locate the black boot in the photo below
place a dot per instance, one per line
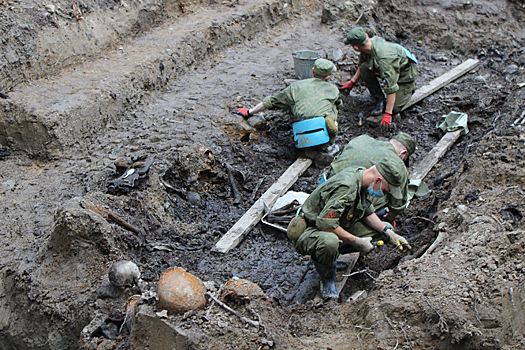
(377, 94)
(379, 106)
(327, 274)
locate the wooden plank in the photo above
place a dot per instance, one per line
(234, 236)
(435, 154)
(441, 81)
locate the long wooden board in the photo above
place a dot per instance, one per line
(435, 154)
(441, 81)
(234, 236)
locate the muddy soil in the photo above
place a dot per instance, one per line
(468, 293)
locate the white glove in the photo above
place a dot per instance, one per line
(399, 241)
(363, 244)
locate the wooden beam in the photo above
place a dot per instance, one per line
(434, 155)
(441, 81)
(234, 236)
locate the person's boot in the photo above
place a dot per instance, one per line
(377, 94)
(327, 274)
(379, 107)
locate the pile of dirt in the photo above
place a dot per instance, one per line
(169, 169)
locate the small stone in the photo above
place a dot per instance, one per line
(193, 197)
(257, 121)
(462, 209)
(162, 314)
(338, 55)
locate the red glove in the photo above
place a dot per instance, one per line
(348, 85)
(386, 119)
(245, 112)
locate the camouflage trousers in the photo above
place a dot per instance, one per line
(325, 247)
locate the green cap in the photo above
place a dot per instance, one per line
(393, 174)
(356, 36)
(323, 68)
(407, 141)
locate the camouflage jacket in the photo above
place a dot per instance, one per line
(307, 99)
(364, 151)
(390, 61)
(340, 201)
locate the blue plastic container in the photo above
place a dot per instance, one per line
(310, 132)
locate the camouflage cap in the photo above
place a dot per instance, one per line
(323, 68)
(356, 36)
(407, 141)
(393, 174)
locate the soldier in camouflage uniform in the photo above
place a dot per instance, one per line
(332, 210)
(364, 151)
(308, 98)
(394, 65)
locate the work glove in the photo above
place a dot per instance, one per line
(363, 245)
(386, 119)
(245, 112)
(399, 241)
(347, 86)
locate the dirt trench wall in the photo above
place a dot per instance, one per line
(464, 27)
(44, 124)
(38, 39)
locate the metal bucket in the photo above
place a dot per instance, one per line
(303, 62)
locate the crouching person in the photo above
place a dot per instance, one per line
(335, 207)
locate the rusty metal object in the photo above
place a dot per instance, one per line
(241, 289)
(180, 291)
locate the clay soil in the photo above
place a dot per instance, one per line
(84, 91)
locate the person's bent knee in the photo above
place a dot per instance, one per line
(328, 252)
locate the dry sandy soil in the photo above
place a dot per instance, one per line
(87, 84)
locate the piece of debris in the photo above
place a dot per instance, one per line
(241, 317)
(106, 214)
(162, 314)
(4, 154)
(131, 171)
(360, 294)
(511, 213)
(78, 13)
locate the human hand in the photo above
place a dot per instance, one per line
(363, 245)
(386, 119)
(399, 241)
(245, 112)
(348, 85)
